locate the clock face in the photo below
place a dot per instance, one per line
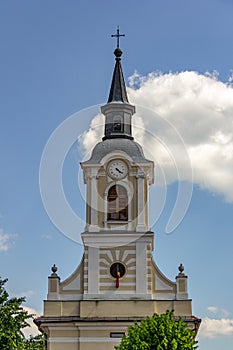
(117, 169)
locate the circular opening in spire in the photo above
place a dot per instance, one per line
(117, 268)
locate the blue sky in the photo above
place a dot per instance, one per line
(56, 59)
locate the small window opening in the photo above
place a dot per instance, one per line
(117, 124)
(117, 203)
(117, 334)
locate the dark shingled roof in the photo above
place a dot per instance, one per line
(132, 148)
(118, 90)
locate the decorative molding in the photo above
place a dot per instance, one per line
(164, 296)
(118, 295)
(161, 285)
(84, 340)
(73, 285)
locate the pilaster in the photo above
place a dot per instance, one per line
(141, 222)
(53, 285)
(93, 201)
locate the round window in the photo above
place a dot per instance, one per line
(117, 269)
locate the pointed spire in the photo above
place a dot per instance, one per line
(118, 115)
(118, 90)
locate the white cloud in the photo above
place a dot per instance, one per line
(213, 309)
(6, 240)
(32, 330)
(213, 328)
(93, 135)
(26, 294)
(46, 237)
(218, 311)
(201, 109)
(182, 107)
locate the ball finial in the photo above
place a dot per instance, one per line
(54, 270)
(118, 52)
(181, 269)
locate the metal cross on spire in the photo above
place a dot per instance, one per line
(118, 35)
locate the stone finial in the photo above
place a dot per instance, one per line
(181, 269)
(181, 284)
(54, 270)
(53, 284)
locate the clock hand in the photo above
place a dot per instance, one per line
(119, 171)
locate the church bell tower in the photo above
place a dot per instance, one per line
(117, 281)
(117, 240)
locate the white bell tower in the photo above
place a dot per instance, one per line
(118, 241)
(117, 281)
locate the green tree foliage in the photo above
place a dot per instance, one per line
(35, 343)
(13, 319)
(159, 332)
